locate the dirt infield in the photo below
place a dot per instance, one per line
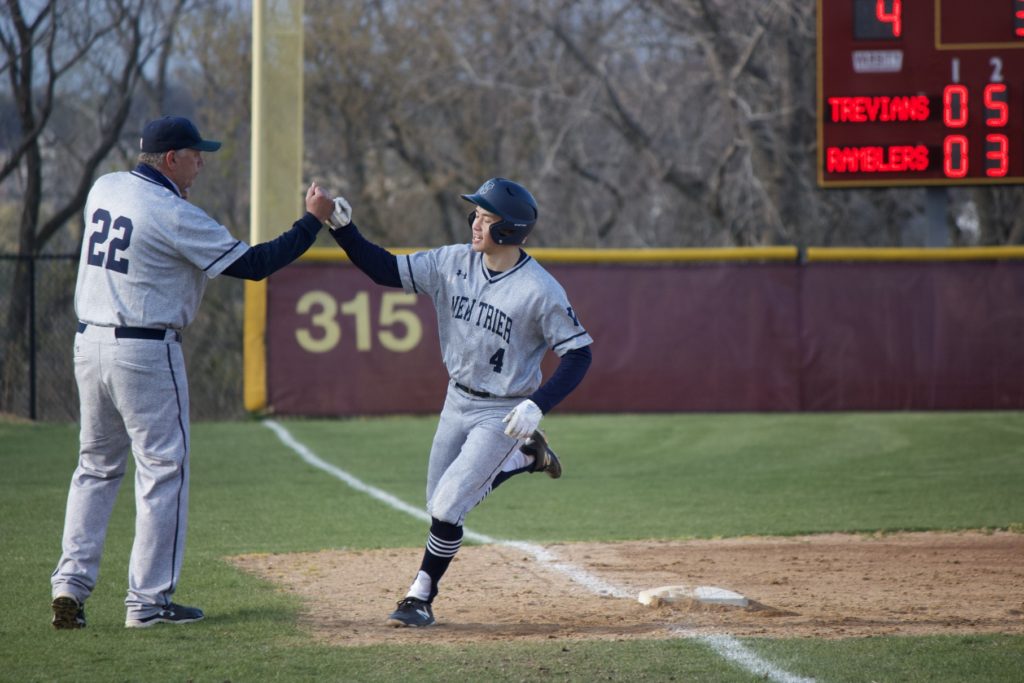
(829, 586)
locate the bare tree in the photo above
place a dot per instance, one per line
(637, 122)
(650, 123)
(72, 77)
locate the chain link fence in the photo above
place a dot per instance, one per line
(37, 329)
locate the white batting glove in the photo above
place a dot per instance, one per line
(342, 215)
(523, 420)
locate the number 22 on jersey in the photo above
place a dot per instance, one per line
(103, 251)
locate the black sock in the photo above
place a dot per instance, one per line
(442, 544)
(505, 476)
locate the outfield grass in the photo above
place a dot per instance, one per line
(627, 477)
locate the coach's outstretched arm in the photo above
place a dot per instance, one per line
(263, 259)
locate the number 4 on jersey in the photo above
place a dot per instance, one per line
(498, 359)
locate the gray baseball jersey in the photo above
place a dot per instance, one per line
(147, 255)
(494, 328)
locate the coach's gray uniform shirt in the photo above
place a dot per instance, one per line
(175, 248)
(494, 329)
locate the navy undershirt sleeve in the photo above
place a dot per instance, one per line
(269, 257)
(377, 262)
(567, 376)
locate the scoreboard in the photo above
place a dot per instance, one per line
(920, 92)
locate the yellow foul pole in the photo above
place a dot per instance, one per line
(276, 191)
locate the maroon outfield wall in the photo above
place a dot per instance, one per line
(917, 335)
(773, 336)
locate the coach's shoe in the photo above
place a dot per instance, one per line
(67, 612)
(172, 614)
(544, 459)
(412, 612)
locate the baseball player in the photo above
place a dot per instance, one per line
(498, 312)
(147, 254)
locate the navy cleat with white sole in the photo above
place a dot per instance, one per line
(412, 612)
(172, 614)
(545, 459)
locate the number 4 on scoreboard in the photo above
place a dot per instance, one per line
(877, 19)
(890, 12)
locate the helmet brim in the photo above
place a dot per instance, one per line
(481, 202)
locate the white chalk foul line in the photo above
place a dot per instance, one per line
(738, 653)
(725, 645)
(309, 456)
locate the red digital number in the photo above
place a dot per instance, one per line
(954, 106)
(1018, 18)
(997, 158)
(997, 111)
(893, 16)
(954, 156)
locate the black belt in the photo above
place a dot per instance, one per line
(138, 333)
(474, 392)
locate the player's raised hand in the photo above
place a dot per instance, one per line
(318, 203)
(342, 214)
(522, 421)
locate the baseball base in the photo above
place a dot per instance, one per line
(655, 597)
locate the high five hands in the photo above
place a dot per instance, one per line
(318, 203)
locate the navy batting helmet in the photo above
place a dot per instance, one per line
(511, 201)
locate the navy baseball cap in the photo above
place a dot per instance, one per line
(174, 132)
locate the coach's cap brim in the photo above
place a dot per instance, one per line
(206, 146)
(174, 132)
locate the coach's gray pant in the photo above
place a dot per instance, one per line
(134, 399)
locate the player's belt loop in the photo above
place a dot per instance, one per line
(474, 392)
(138, 333)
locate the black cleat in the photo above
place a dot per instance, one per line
(412, 612)
(544, 459)
(172, 614)
(67, 613)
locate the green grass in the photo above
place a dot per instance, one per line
(627, 477)
(732, 475)
(908, 660)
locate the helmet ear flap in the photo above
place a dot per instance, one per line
(502, 233)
